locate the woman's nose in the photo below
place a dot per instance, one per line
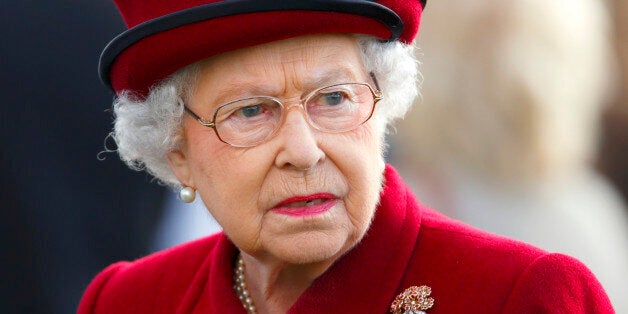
(299, 148)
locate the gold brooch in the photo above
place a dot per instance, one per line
(414, 300)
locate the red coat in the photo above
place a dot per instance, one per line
(469, 271)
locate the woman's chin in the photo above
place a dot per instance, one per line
(310, 247)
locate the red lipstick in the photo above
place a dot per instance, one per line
(308, 205)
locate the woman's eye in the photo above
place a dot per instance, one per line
(250, 111)
(333, 99)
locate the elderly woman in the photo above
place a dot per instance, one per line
(275, 114)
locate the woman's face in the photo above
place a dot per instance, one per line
(259, 194)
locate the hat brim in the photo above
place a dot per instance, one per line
(151, 51)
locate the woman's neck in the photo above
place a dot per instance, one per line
(274, 285)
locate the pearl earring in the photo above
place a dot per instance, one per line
(187, 194)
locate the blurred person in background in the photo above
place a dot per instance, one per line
(507, 130)
(614, 150)
(65, 214)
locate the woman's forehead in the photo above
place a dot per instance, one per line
(303, 63)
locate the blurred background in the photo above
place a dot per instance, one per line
(522, 130)
(65, 214)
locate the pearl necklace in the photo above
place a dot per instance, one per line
(239, 285)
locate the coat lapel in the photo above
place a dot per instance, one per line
(211, 290)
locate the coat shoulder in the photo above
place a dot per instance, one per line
(470, 268)
(157, 280)
(472, 244)
(557, 283)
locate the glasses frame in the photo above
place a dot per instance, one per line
(377, 96)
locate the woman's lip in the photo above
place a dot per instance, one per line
(325, 202)
(305, 198)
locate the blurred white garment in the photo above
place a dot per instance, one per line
(582, 216)
(182, 222)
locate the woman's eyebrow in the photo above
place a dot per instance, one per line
(329, 77)
(241, 89)
(246, 88)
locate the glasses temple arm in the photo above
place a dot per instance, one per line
(377, 94)
(375, 81)
(197, 118)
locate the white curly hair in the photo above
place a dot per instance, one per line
(147, 129)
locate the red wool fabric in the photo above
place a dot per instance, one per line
(469, 271)
(136, 12)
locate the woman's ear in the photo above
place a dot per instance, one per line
(181, 167)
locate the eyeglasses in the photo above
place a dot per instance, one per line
(251, 121)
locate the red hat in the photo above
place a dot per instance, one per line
(165, 36)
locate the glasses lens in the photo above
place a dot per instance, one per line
(340, 108)
(247, 122)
